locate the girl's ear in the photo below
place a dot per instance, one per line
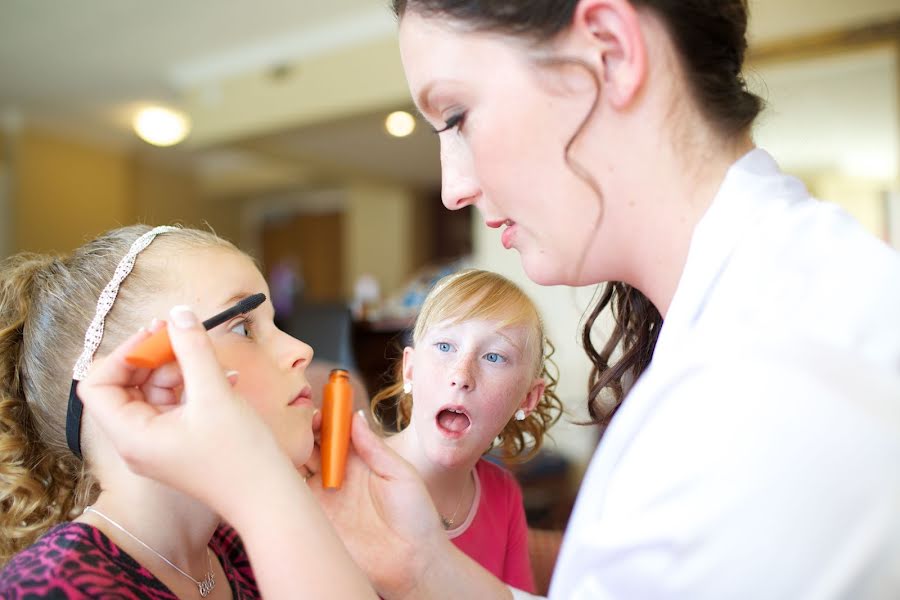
(534, 395)
(612, 31)
(408, 354)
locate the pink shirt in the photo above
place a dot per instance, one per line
(495, 532)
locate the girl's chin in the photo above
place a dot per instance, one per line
(300, 453)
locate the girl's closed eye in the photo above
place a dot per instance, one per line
(495, 357)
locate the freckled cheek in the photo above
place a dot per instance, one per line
(497, 410)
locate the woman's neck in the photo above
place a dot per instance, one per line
(658, 181)
(661, 195)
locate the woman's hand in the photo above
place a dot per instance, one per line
(181, 424)
(383, 514)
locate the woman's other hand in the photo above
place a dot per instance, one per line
(383, 514)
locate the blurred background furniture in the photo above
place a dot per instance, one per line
(543, 550)
(327, 327)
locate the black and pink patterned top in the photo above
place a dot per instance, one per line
(77, 561)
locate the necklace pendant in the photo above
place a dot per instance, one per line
(206, 586)
(447, 523)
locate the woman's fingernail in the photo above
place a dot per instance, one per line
(154, 323)
(361, 413)
(315, 411)
(183, 317)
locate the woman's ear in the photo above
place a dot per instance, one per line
(612, 29)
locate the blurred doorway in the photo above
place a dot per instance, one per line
(310, 244)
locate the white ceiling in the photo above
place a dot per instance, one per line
(90, 60)
(82, 67)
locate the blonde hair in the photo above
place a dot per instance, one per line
(476, 294)
(46, 305)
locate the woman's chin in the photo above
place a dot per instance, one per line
(545, 272)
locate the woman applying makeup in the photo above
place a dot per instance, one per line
(749, 391)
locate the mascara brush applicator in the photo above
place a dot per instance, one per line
(156, 350)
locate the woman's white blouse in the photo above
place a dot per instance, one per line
(759, 455)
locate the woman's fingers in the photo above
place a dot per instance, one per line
(117, 371)
(204, 378)
(381, 459)
(164, 386)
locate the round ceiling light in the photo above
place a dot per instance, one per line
(400, 123)
(161, 126)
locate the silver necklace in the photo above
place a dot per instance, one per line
(448, 522)
(205, 586)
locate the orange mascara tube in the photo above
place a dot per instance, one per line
(337, 413)
(156, 350)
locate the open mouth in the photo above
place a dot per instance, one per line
(453, 422)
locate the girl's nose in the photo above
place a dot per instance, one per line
(299, 353)
(461, 377)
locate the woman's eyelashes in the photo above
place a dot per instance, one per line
(454, 121)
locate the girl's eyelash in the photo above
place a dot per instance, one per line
(452, 122)
(501, 357)
(247, 322)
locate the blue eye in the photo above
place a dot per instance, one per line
(494, 357)
(443, 346)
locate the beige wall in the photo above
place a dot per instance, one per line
(379, 235)
(67, 192)
(863, 198)
(166, 194)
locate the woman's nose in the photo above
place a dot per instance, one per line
(459, 187)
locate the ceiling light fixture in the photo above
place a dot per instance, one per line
(400, 123)
(161, 126)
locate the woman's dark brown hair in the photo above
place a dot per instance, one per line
(710, 38)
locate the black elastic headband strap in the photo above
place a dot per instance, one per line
(73, 420)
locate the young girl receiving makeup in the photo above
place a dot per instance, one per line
(475, 379)
(76, 522)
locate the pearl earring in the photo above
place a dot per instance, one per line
(520, 415)
(407, 387)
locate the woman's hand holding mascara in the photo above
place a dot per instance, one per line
(383, 514)
(169, 423)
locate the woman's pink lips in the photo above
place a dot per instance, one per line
(508, 236)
